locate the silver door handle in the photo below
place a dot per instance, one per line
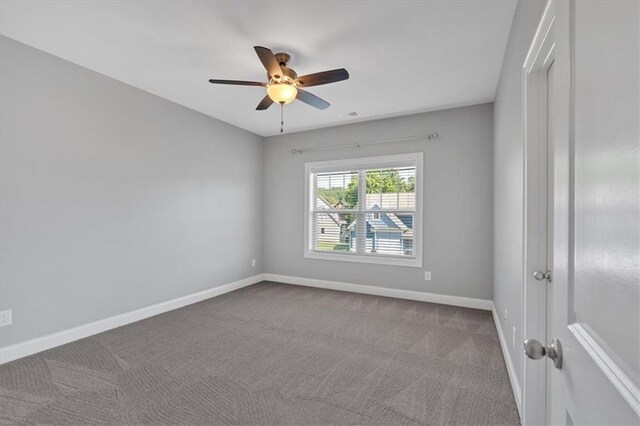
(540, 275)
(536, 350)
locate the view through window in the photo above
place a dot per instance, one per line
(364, 210)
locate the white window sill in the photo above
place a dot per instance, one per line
(372, 259)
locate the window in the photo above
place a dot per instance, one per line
(365, 210)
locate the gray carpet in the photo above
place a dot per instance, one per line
(273, 354)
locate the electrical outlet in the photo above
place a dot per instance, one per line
(253, 263)
(427, 275)
(506, 315)
(514, 337)
(5, 318)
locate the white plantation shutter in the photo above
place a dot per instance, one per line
(335, 201)
(365, 210)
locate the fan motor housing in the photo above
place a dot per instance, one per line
(289, 75)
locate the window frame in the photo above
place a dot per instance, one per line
(357, 164)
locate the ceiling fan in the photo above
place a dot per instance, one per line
(284, 85)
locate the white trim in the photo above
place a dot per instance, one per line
(420, 296)
(511, 370)
(537, 240)
(39, 344)
(397, 160)
(541, 38)
(618, 378)
(376, 259)
(394, 160)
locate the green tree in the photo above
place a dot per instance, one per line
(410, 184)
(333, 196)
(377, 181)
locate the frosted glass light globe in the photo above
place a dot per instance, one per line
(282, 93)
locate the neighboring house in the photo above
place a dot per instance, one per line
(387, 233)
(332, 229)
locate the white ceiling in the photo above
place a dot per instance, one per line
(403, 57)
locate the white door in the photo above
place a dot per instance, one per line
(593, 308)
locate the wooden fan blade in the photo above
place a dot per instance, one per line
(311, 99)
(264, 103)
(269, 61)
(238, 82)
(323, 77)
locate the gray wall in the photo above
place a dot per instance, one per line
(458, 201)
(113, 199)
(509, 174)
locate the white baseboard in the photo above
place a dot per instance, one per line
(513, 378)
(39, 344)
(420, 296)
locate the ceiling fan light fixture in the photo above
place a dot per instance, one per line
(282, 87)
(282, 93)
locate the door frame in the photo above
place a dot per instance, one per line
(537, 238)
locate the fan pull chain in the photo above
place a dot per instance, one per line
(282, 117)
